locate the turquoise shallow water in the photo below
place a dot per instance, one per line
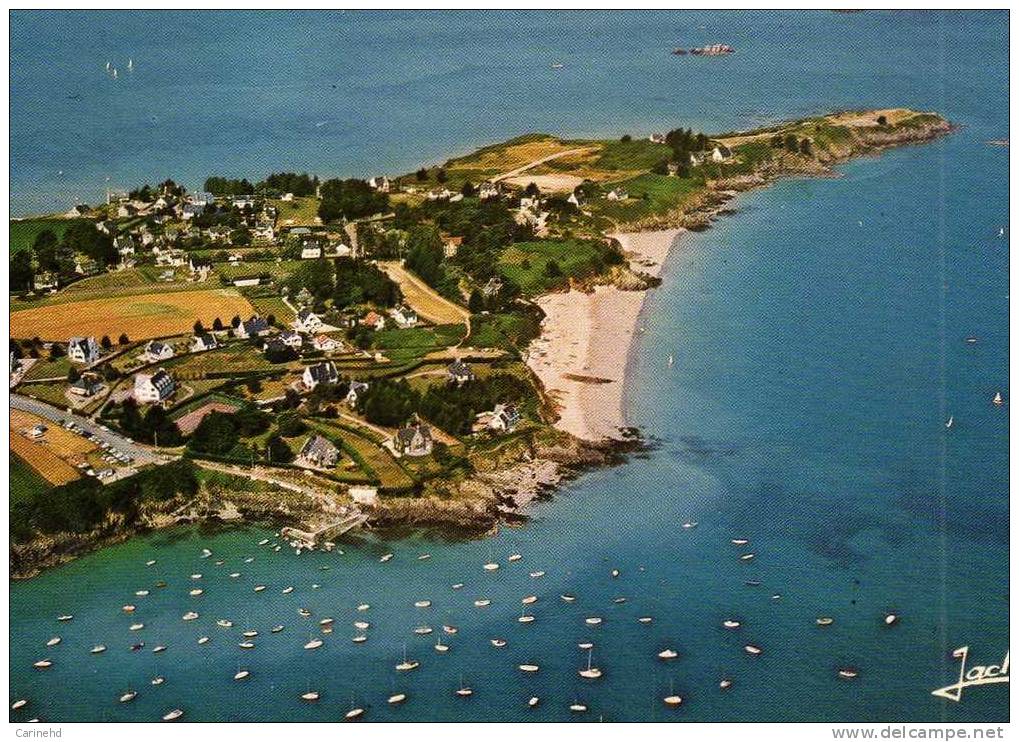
(818, 338)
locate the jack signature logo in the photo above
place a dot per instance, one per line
(976, 675)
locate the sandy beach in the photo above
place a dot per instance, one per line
(582, 354)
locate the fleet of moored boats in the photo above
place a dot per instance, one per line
(589, 671)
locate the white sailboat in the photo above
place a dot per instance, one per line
(998, 401)
(591, 673)
(130, 65)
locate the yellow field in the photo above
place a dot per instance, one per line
(63, 443)
(423, 299)
(142, 316)
(50, 467)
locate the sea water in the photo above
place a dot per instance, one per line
(819, 344)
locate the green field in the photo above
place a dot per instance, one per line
(507, 331)
(47, 369)
(526, 263)
(402, 345)
(245, 270)
(24, 482)
(24, 231)
(301, 212)
(650, 195)
(638, 154)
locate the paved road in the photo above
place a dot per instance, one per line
(142, 455)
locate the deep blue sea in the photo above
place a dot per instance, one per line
(819, 344)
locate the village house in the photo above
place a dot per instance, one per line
(252, 328)
(357, 388)
(311, 249)
(124, 245)
(87, 385)
(307, 321)
(404, 316)
(413, 440)
(617, 194)
(444, 195)
(291, 339)
(318, 453)
(46, 282)
(320, 373)
(243, 202)
(156, 351)
(83, 350)
(488, 190)
(381, 184)
(264, 230)
(451, 245)
(656, 138)
(153, 388)
(78, 211)
(287, 197)
(204, 341)
(374, 320)
(325, 343)
(342, 250)
(492, 288)
(504, 418)
(459, 373)
(275, 347)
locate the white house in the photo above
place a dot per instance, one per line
(357, 388)
(459, 373)
(326, 343)
(404, 316)
(311, 250)
(153, 388)
(381, 184)
(488, 190)
(451, 245)
(504, 418)
(573, 199)
(204, 341)
(307, 321)
(291, 339)
(320, 373)
(318, 453)
(617, 194)
(156, 351)
(83, 350)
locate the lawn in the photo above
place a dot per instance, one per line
(141, 316)
(505, 330)
(24, 231)
(401, 345)
(301, 212)
(271, 268)
(650, 195)
(25, 484)
(47, 369)
(269, 304)
(527, 263)
(637, 154)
